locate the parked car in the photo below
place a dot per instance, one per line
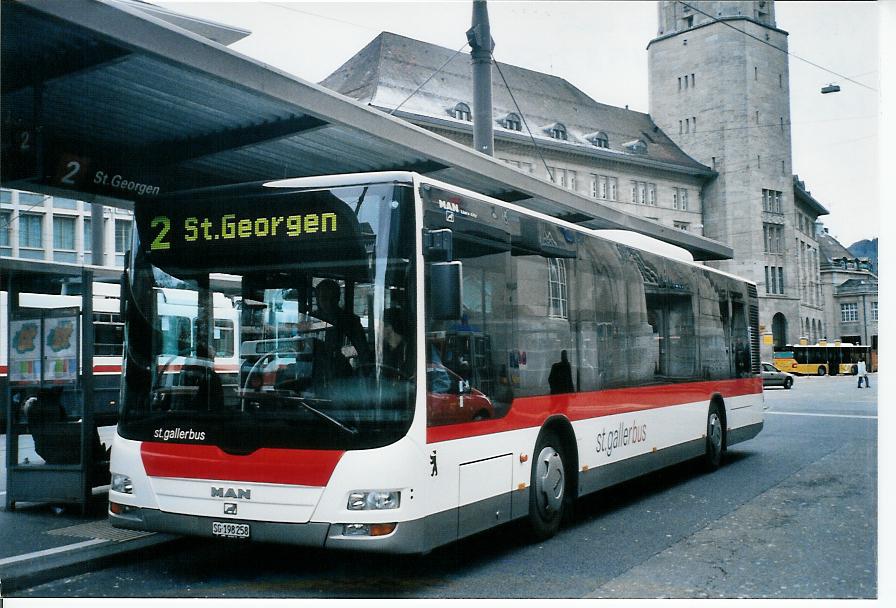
(772, 376)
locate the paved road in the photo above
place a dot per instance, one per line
(793, 514)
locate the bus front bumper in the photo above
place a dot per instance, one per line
(406, 538)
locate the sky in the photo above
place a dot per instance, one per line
(601, 47)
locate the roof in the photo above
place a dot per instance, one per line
(831, 248)
(804, 196)
(857, 286)
(391, 67)
(132, 106)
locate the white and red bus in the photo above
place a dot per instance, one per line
(558, 361)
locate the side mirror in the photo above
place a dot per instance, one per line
(445, 280)
(123, 288)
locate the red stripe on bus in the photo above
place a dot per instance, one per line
(266, 465)
(528, 412)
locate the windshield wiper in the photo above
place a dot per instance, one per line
(317, 412)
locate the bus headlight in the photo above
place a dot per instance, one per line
(122, 483)
(370, 500)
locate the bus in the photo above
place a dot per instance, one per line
(175, 309)
(822, 358)
(487, 363)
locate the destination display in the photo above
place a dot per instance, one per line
(245, 230)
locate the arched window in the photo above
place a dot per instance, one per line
(462, 112)
(599, 139)
(558, 298)
(557, 131)
(637, 146)
(512, 122)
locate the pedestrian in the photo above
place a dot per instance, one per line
(560, 378)
(863, 373)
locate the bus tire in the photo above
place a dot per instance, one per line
(788, 382)
(822, 370)
(715, 438)
(548, 486)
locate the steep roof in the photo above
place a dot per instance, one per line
(389, 69)
(831, 248)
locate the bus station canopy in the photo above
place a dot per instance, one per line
(107, 101)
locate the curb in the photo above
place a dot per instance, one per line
(83, 557)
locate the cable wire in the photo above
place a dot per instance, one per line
(431, 76)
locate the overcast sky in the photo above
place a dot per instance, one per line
(601, 47)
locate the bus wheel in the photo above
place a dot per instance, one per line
(715, 438)
(822, 370)
(788, 382)
(547, 491)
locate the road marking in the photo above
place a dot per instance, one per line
(46, 552)
(821, 415)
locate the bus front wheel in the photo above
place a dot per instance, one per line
(822, 370)
(547, 490)
(715, 438)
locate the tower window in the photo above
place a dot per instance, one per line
(679, 83)
(692, 80)
(755, 73)
(694, 120)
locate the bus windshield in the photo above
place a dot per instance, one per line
(275, 318)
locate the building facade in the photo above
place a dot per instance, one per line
(849, 289)
(719, 86)
(615, 155)
(55, 229)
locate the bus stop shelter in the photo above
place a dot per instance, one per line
(119, 104)
(52, 446)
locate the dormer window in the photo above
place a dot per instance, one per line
(598, 139)
(461, 111)
(556, 131)
(512, 122)
(636, 147)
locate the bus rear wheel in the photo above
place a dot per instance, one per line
(715, 438)
(548, 487)
(822, 370)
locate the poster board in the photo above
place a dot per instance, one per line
(44, 347)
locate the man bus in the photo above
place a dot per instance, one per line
(318, 446)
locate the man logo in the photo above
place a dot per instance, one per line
(238, 493)
(229, 508)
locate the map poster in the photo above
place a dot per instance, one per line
(60, 342)
(25, 351)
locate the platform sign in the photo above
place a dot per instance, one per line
(25, 350)
(61, 346)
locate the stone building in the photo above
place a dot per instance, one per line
(850, 292)
(612, 154)
(719, 86)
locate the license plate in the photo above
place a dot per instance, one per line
(230, 530)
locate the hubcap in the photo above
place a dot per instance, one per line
(715, 433)
(549, 480)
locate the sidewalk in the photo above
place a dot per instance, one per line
(41, 542)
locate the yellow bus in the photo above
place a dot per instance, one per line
(822, 359)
